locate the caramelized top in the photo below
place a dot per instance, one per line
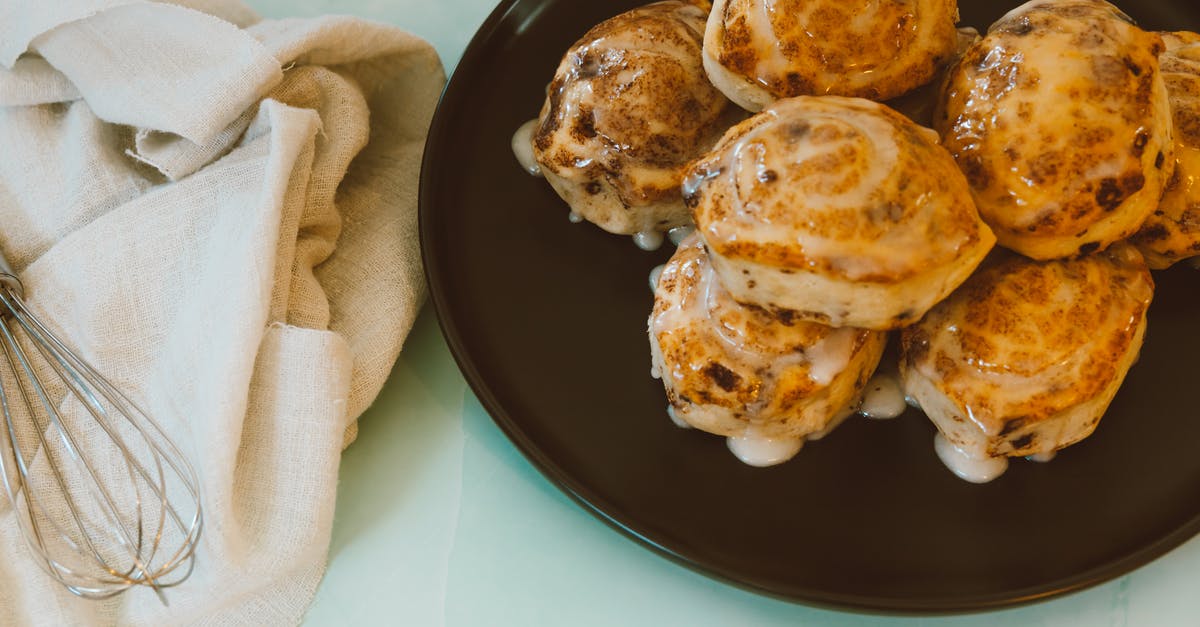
(874, 49)
(630, 103)
(836, 186)
(1028, 339)
(760, 363)
(1058, 117)
(1173, 231)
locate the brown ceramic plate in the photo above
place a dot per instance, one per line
(548, 321)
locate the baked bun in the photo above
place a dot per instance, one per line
(628, 108)
(742, 371)
(1025, 357)
(1172, 232)
(1060, 120)
(839, 209)
(757, 51)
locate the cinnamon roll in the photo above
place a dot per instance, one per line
(839, 210)
(1172, 232)
(1026, 356)
(1059, 118)
(748, 373)
(757, 51)
(629, 106)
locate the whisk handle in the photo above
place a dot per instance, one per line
(9, 279)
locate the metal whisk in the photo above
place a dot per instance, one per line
(104, 499)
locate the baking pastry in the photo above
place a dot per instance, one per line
(745, 372)
(840, 210)
(629, 106)
(1060, 120)
(757, 51)
(1172, 232)
(1025, 357)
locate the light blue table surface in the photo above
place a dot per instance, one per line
(441, 521)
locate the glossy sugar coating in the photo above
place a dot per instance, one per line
(1172, 232)
(1025, 357)
(758, 51)
(738, 370)
(1059, 118)
(839, 209)
(629, 106)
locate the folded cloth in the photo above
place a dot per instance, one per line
(221, 214)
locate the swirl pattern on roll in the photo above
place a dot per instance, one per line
(838, 208)
(738, 370)
(628, 108)
(1060, 120)
(1025, 357)
(761, 50)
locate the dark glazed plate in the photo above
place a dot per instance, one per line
(548, 321)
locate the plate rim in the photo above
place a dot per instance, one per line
(603, 509)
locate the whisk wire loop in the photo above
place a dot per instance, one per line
(16, 354)
(83, 546)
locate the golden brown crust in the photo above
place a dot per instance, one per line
(731, 369)
(1172, 232)
(840, 187)
(878, 49)
(1060, 121)
(1022, 341)
(630, 105)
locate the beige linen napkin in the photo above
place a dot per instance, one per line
(222, 213)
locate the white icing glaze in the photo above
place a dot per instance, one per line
(575, 218)
(761, 22)
(884, 398)
(704, 301)
(683, 310)
(830, 356)
(522, 147)
(965, 466)
(1042, 458)
(680, 233)
(655, 274)
(1007, 349)
(679, 422)
(870, 137)
(761, 452)
(648, 240)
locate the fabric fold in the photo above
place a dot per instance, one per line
(19, 25)
(32, 81)
(162, 67)
(233, 244)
